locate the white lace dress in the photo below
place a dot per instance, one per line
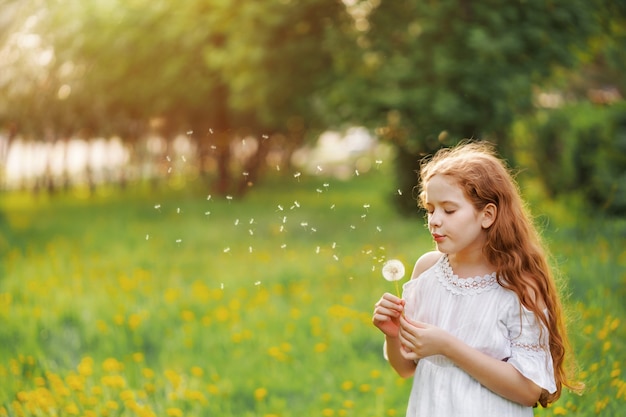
(487, 317)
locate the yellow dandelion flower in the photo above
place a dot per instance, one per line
(347, 385)
(326, 397)
(174, 412)
(260, 394)
(112, 365)
(112, 405)
(560, 411)
(138, 357)
(606, 346)
(147, 373)
(365, 388)
(197, 371)
(348, 404)
(614, 324)
(328, 412)
(392, 412)
(375, 373)
(213, 389)
(615, 373)
(320, 347)
(380, 391)
(187, 315)
(588, 329)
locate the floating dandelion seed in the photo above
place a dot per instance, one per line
(221, 286)
(353, 227)
(356, 172)
(257, 283)
(373, 268)
(393, 270)
(236, 222)
(283, 246)
(251, 232)
(334, 245)
(326, 185)
(265, 136)
(210, 131)
(318, 190)
(295, 203)
(319, 168)
(168, 158)
(363, 216)
(157, 206)
(183, 158)
(277, 167)
(177, 210)
(313, 229)
(282, 228)
(399, 191)
(379, 229)
(332, 207)
(250, 249)
(213, 147)
(335, 257)
(208, 197)
(229, 197)
(252, 221)
(178, 240)
(226, 250)
(206, 213)
(304, 224)
(317, 250)
(378, 162)
(284, 219)
(190, 132)
(280, 207)
(245, 173)
(366, 206)
(169, 170)
(297, 175)
(147, 237)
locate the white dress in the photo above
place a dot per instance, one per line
(487, 317)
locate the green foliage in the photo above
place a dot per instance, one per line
(579, 149)
(129, 303)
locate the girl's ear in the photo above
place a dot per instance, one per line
(489, 215)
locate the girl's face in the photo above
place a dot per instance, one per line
(456, 226)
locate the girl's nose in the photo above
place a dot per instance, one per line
(434, 220)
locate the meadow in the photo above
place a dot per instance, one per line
(170, 301)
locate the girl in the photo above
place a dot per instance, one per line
(480, 325)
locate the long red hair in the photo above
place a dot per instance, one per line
(513, 243)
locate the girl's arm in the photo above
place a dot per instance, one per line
(421, 340)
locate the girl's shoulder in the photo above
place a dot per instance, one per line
(425, 262)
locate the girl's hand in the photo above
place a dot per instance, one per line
(420, 340)
(387, 312)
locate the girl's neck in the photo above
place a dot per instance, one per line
(470, 265)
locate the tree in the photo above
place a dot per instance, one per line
(431, 73)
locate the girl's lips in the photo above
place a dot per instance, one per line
(438, 238)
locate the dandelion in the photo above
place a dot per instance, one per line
(393, 270)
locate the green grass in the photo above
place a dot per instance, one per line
(164, 302)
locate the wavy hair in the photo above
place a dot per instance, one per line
(513, 243)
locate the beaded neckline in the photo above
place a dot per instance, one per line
(469, 286)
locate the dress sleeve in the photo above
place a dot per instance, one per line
(530, 352)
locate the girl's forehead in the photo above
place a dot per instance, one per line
(442, 188)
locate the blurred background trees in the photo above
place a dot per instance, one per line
(245, 84)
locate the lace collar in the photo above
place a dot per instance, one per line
(464, 286)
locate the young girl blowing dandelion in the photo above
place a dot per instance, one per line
(480, 325)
